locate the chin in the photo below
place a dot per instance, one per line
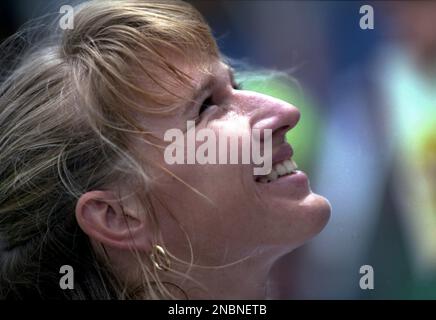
(295, 224)
(316, 210)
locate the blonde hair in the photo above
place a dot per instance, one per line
(67, 117)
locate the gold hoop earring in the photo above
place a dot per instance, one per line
(159, 258)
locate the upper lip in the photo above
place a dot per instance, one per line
(284, 152)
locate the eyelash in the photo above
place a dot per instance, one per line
(206, 104)
(208, 101)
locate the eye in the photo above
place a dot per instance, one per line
(206, 104)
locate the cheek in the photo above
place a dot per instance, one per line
(216, 231)
(210, 223)
(213, 202)
(216, 155)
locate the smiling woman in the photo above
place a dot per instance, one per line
(84, 182)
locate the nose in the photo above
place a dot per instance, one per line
(274, 114)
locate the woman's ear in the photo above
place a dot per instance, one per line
(102, 217)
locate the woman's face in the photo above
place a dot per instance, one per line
(242, 215)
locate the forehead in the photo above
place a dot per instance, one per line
(180, 83)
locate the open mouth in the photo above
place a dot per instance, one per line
(284, 168)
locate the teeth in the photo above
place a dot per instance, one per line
(273, 175)
(288, 165)
(280, 169)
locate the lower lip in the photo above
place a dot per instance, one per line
(296, 180)
(298, 177)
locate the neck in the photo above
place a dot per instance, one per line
(248, 279)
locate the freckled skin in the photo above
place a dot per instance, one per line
(241, 218)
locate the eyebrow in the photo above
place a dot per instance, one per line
(208, 82)
(204, 86)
